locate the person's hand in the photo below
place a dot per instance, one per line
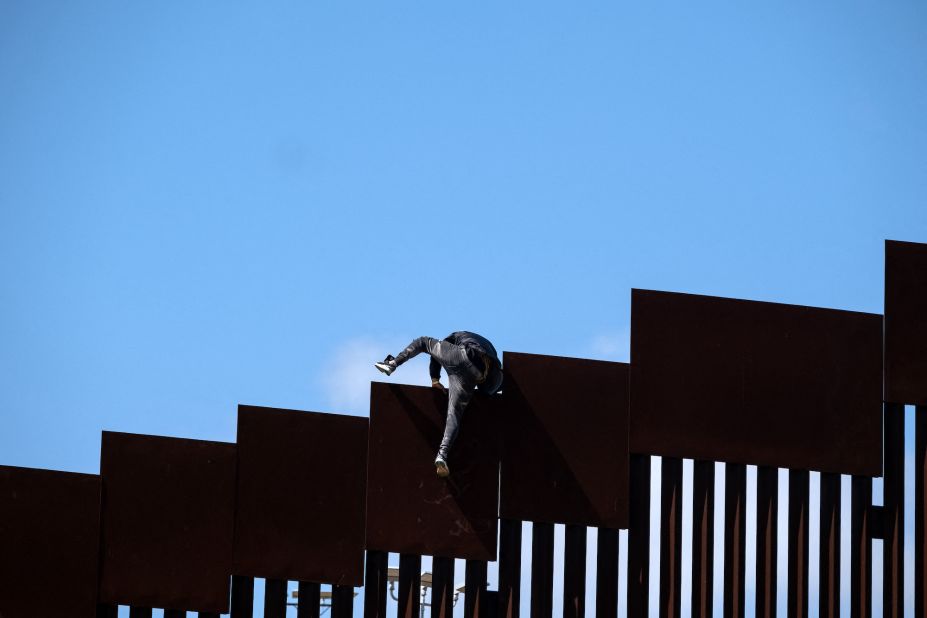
(437, 384)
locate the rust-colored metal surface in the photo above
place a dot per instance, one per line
(542, 570)
(411, 510)
(301, 492)
(906, 322)
(703, 535)
(565, 458)
(829, 548)
(860, 548)
(756, 383)
(606, 573)
(49, 543)
(767, 540)
(442, 588)
(574, 572)
(735, 540)
(893, 513)
(410, 585)
(375, 580)
(510, 541)
(920, 510)
(638, 573)
(670, 538)
(475, 595)
(168, 517)
(798, 549)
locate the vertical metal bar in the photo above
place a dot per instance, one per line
(475, 589)
(799, 501)
(207, 615)
(139, 612)
(574, 572)
(735, 537)
(175, 613)
(703, 534)
(374, 585)
(860, 549)
(307, 603)
(893, 512)
(670, 537)
(639, 537)
(107, 611)
(410, 585)
(920, 509)
(242, 597)
(342, 601)
(442, 587)
(606, 575)
(767, 518)
(509, 568)
(274, 598)
(829, 561)
(542, 570)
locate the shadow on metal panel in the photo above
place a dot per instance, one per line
(301, 492)
(49, 543)
(409, 509)
(749, 382)
(167, 522)
(566, 449)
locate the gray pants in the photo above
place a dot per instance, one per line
(461, 377)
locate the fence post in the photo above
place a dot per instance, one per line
(893, 513)
(735, 537)
(670, 536)
(639, 537)
(767, 540)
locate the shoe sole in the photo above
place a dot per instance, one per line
(441, 469)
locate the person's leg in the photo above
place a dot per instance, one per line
(447, 354)
(459, 392)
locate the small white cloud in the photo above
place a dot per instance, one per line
(615, 346)
(350, 371)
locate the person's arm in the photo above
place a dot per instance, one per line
(434, 369)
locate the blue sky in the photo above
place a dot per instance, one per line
(208, 204)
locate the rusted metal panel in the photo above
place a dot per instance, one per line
(756, 383)
(411, 510)
(906, 322)
(49, 536)
(565, 458)
(301, 496)
(168, 518)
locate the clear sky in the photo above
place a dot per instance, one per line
(204, 204)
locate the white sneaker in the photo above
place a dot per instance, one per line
(387, 365)
(441, 468)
